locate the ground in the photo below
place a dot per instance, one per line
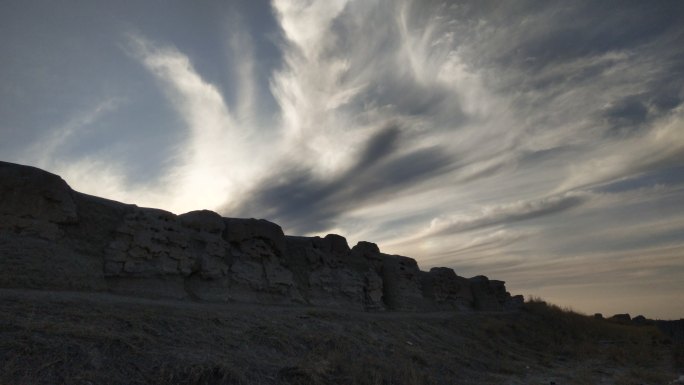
(96, 338)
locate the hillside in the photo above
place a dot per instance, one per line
(85, 338)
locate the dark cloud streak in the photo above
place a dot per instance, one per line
(303, 203)
(517, 212)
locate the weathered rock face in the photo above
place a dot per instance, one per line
(55, 238)
(447, 290)
(38, 210)
(491, 295)
(330, 274)
(33, 202)
(401, 283)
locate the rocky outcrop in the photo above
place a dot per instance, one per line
(491, 295)
(34, 203)
(38, 212)
(55, 238)
(402, 289)
(621, 318)
(446, 290)
(330, 274)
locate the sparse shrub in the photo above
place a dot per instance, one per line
(128, 344)
(640, 376)
(196, 374)
(678, 356)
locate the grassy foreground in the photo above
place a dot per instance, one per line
(77, 338)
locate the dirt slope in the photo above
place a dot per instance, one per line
(94, 338)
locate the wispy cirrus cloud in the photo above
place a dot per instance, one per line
(210, 163)
(90, 173)
(509, 139)
(213, 141)
(45, 150)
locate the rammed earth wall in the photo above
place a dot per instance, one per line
(52, 237)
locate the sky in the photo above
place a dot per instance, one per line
(536, 142)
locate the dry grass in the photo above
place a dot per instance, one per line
(47, 341)
(637, 352)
